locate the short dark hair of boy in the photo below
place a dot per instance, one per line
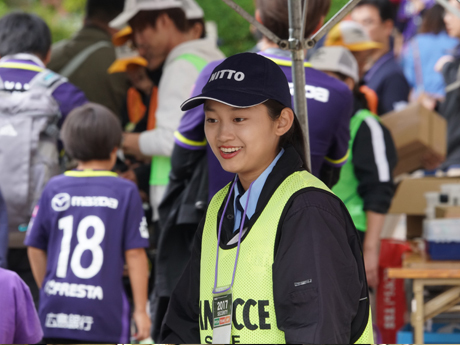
(91, 132)
(383, 6)
(149, 19)
(104, 10)
(275, 15)
(24, 33)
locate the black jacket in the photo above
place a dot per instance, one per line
(316, 240)
(450, 110)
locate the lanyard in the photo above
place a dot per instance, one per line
(239, 238)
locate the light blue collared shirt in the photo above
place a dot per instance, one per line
(256, 189)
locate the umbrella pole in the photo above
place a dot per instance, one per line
(297, 44)
(296, 24)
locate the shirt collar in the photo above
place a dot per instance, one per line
(256, 189)
(378, 64)
(25, 57)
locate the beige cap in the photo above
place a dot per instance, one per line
(351, 35)
(132, 7)
(336, 59)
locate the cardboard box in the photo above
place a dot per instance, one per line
(416, 131)
(447, 212)
(410, 199)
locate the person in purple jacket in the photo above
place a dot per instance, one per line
(19, 322)
(25, 50)
(87, 225)
(25, 43)
(196, 173)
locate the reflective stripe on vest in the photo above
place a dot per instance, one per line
(161, 165)
(347, 186)
(254, 319)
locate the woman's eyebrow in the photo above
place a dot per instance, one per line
(208, 108)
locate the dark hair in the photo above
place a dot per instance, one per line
(104, 10)
(275, 15)
(24, 33)
(359, 97)
(192, 22)
(149, 19)
(91, 132)
(433, 20)
(383, 6)
(295, 136)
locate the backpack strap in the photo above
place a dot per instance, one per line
(48, 80)
(418, 65)
(81, 57)
(455, 85)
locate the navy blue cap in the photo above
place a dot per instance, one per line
(242, 81)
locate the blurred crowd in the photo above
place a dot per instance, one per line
(142, 59)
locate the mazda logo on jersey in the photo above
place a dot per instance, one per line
(250, 314)
(60, 202)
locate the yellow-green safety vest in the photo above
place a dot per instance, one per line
(254, 317)
(347, 186)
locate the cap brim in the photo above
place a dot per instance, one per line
(123, 36)
(236, 99)
(121, 65)
(362, 46)
(122, 20)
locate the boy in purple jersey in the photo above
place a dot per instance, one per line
(87, 225)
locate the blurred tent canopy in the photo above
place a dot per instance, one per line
(65, 17)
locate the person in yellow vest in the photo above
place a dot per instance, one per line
(366, 183)
(277, 258)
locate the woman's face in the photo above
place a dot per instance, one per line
(245, 140)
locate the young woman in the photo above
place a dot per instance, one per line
(277, 258)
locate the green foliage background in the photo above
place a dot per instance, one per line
(233, 30)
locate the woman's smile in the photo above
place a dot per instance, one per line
(228, 152)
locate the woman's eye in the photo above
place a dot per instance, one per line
(239, 119)
(209, 120)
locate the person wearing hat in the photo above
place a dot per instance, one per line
(366, 183)
(276, 258)
(383, 75)
(161, 35)
(352, 35)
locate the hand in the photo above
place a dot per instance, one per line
(427, 101)
(371, 262)
(431, 160)
(143, 324)
(129, 175)
(130, 144)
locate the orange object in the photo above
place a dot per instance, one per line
(121, 65)
(122, 36)
(371, 97)
(151, 123)
(137, 109)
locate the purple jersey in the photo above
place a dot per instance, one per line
(86, 221)
(19, 322)
(330, 107)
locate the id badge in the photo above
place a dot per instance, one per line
(222, 310)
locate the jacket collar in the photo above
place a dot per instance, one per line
(24, 57)
(289, 163)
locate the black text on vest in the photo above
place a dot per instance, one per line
(241, 315)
